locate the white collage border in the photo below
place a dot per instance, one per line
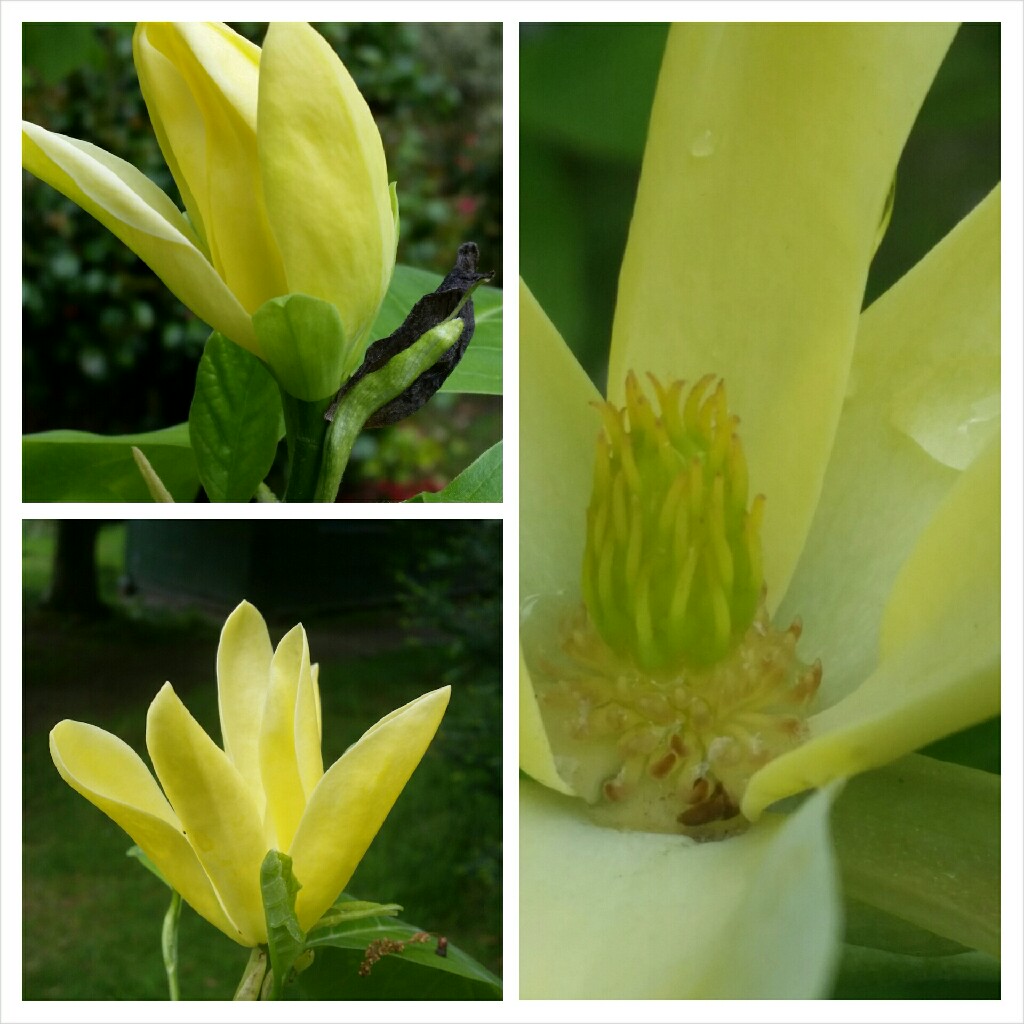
(13, 511)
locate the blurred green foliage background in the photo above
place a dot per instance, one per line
(106, 347)
(585, 97)
(92, 917)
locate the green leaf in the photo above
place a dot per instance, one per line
(919, 839)
(875, 974)
(72, 465)
(480, 481)
(356, 932)
(346, 910)
(235, 420)
(285, 938)
(871, 928)
(479, 372)
(335, 975)
(303, 340)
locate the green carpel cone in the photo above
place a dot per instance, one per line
(672, 570)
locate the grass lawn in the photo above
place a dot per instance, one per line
(92, 917)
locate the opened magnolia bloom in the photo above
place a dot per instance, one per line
(779, 566)
(221, 810)
(283, 176)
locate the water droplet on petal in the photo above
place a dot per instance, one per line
(704, 144)
(951, 409)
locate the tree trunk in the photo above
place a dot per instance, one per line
(73, 584)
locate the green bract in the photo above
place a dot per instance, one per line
(282, 172)
(874, 437)
(303, 339)
(221, 810)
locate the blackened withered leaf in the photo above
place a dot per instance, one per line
(426, 314)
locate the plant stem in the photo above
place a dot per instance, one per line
(252, 977)
(169, 944)
(268, 989)
(370, 394)
(306, 429)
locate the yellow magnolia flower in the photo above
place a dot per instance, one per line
(874, 437)
(281, 169)
(221, 810)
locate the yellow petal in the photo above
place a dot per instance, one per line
(200, 83)
(308, 731)
(243, 677)
(353, 798)
(232, 64)
(558, 438)
(215, 807)
(633, 915)
(900, 442)
(128, 204)
(110, 775)
(769, 158)
(939, 664)
(289, 739)
(535, 755)
(314, 671)
(325, 177)
(559, 425)
(951, 579)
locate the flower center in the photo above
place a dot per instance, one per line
(671, 688)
